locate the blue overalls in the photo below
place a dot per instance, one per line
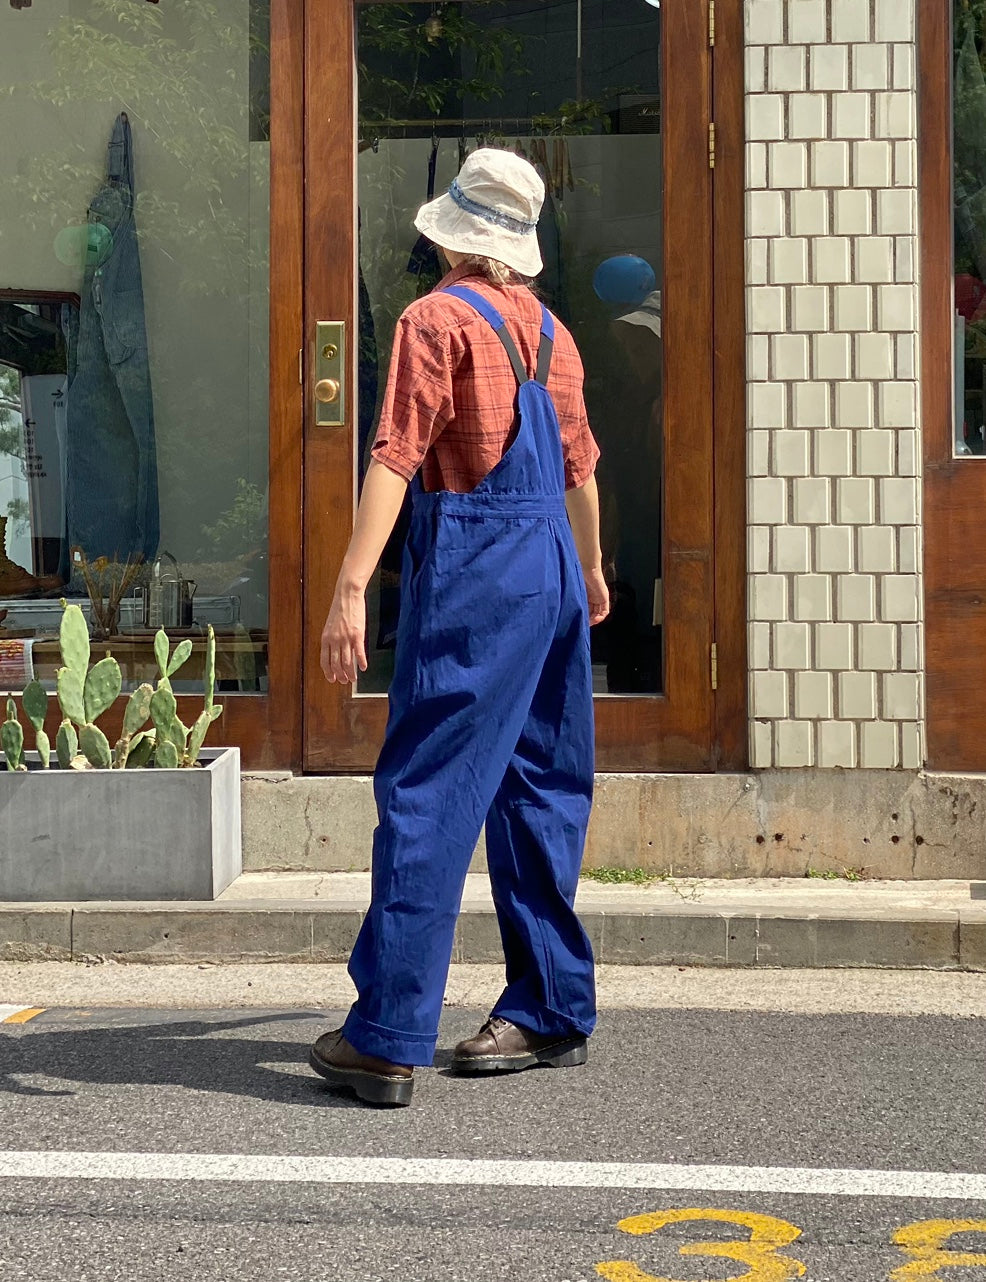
(490, 719)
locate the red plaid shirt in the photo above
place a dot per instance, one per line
(451, 391)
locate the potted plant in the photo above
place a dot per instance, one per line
(152, 816)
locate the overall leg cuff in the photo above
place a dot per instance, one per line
(544, 1020)
(417, 1049)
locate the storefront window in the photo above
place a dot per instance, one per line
(134, 216)
(573, 86)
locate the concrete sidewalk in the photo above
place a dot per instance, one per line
(314, 917)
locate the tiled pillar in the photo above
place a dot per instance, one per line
(835, 602)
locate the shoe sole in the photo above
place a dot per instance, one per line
(570, 1054)
(371, 1088)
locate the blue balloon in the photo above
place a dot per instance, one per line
(624, 278)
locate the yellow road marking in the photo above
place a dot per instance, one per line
(761, 1251)
(22, 1016)
(927, 1244)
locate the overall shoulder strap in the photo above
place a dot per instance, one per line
(496, 321)
(547, 345)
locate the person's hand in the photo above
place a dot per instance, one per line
(343, 637)
(598, 594)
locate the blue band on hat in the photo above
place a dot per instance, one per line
(489, 215)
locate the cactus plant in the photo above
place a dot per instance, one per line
(35, 700)
(135, 716)
(95, 747)
(161, 651)
(102, 688)
(66, 744)
(12, 739)
(141, 750)
(70, 687)
(182, 650)
(73, 639)
(85, 693)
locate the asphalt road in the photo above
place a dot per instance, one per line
(752, 1094)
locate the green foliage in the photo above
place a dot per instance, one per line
(411, 62)
(241, 528)
(166, 756)
(619, 876)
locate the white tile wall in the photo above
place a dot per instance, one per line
(834, 452)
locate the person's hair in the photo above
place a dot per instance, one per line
(496, 273)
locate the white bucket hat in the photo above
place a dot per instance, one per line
(491, 209)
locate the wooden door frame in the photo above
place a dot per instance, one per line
(731, 738)
(704, 542)
(268, 728)
(954, 581)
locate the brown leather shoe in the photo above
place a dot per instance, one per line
(375, 1081)
(502, 1047)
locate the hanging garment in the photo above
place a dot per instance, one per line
(490, 719)
(111, 473)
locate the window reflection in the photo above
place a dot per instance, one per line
(574, 88)
(134, 211)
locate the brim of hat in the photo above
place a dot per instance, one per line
(647, 319)
(443, 222)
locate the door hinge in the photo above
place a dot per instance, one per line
(712, 144)
(715, 666)
(712, 24)
(301, 367)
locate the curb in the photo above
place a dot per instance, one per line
(651, 934)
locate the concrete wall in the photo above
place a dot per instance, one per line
(869, 823)
(835, 593)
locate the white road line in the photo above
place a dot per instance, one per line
(7, 1011)
(240, 1168)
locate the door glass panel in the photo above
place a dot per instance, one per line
(134, 216)
(573, 85)
(969, 160)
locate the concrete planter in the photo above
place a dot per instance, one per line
(120, 834)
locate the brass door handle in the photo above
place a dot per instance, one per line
(329, 373)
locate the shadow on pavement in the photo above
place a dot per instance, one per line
(176, 1053)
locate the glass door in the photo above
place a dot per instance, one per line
(610, 100)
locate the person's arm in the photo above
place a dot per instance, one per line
(583, 513)
(343, 637)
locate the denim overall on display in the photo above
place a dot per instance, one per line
(111, 473)
(490, 720)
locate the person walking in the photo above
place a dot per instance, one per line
(491, 700)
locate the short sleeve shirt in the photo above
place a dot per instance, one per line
(451, 392)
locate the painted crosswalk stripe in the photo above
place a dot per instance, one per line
(19, 1014)
(245, 1168)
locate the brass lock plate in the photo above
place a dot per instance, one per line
(329, 391)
